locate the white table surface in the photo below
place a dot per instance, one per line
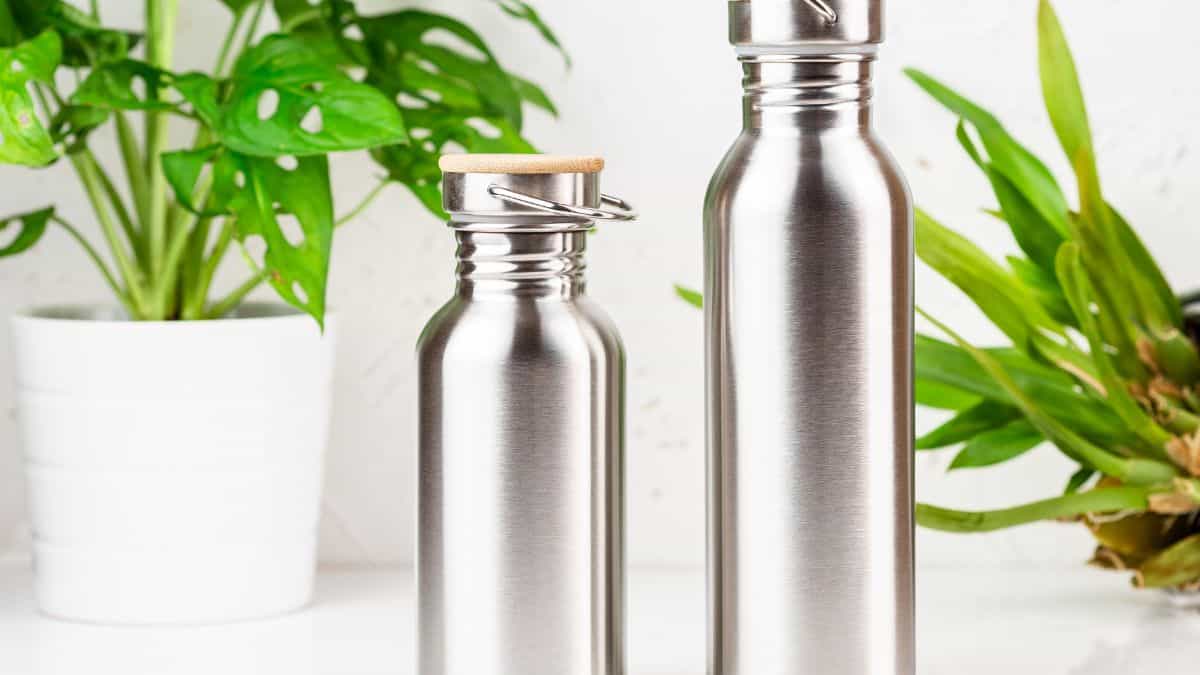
(1053, 621)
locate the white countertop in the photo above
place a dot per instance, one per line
(1052, 621)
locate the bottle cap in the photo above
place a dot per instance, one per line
(837, 24)
(543, 186)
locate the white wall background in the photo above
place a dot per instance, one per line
(655, 89)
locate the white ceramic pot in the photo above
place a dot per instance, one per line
(174, 467)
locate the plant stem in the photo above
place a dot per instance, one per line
(362, 206)
(135, 170)
(129, 273)
(1103, 500)
(118, 205)
(222, 307)
(227, 45)
(95, 9)
(195, 304)
(95, 256)
(191, 266)
(300, 18)
(180, 235)
(160, 38)
(248, 39)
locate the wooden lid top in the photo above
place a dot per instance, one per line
(520, 164)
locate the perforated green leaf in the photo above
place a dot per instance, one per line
(523, 11)
(298, 270)
(32, 226)
(183, 170)
(287, 100)
(411, 55)
(416, 165)
(72, 125)
(115, 86)
(23, 138)
(85, 41)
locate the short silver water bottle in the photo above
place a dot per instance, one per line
(520, 545)
(809, 348)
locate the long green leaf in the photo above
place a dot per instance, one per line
(690, 296)
(996, 292)
(1130, 279)
(985, 416)
(952, 366)
(1145, 272)
(1064, 102)
(998, 446)
(1044, 287)
(1034, 234)
(1079, 293)
(1103, 500)
(1009, 157)
(939, 396)
(1134, 471)
(1078, 480)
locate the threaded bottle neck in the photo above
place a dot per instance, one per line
(521, 264)
(810, 91)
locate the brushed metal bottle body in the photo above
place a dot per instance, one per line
(809, 346)
(520, 498)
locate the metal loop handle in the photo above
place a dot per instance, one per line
(823, 8)
(624, 210)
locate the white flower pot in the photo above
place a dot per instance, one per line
(174, 467)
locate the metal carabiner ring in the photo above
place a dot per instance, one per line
(624, 209)
(823, 8)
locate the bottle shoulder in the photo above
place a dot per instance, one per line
(466, 329)
(821, 173)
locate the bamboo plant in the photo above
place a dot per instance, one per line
(404, 86)
(1100, 364)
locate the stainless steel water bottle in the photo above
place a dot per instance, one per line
(809, 349)
(520, 543)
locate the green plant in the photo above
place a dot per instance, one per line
(404, 86)
(1100, 364)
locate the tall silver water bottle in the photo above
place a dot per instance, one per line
(521, 400)
(809, 348)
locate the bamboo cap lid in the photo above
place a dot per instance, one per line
(520, 164)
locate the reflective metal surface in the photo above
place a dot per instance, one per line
(809, 348)
(805, 22)
(520, 551)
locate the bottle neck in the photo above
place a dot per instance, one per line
(499, 265)
(809, 92)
